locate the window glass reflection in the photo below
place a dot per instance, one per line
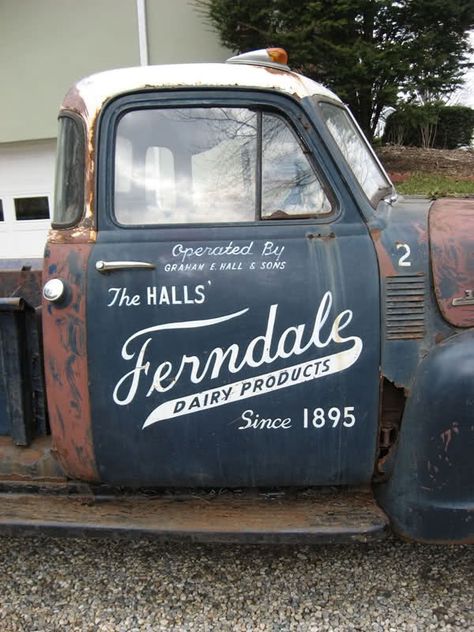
(289, 184)
(189, 165)
(200, 165)
(355, 151)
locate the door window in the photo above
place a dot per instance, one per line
(211, 165)
(290, 186)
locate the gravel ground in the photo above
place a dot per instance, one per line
(82, 584)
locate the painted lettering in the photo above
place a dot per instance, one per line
(182, 252)
(121, 298)
(255, 422)
(272, 250)
(218, 363)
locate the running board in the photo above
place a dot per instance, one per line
(314, 516)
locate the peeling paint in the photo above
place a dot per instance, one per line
(451, 224)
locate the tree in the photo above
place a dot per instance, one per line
(368, 51)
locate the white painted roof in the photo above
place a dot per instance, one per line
(89, 94)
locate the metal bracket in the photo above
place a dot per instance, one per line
(467, 299)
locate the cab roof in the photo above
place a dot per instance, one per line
(89, 95)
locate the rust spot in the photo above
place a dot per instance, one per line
(321, 236)
(25, 283)
(329, 515)
(75, 102)
(385, 262)
(82, 234)
(35, 463)
(65, 335)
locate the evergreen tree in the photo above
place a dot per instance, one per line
(368, 51)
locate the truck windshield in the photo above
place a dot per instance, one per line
(357, 152)
(193, 165)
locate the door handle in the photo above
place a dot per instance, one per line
(108, 266)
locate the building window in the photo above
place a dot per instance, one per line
(28, 208)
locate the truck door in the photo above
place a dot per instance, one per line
(233, 307)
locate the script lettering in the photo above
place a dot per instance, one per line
(219, 362)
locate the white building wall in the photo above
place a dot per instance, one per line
(46, 46)
(26, 170)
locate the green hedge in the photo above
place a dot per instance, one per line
(438, 126)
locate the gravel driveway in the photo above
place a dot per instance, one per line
(118, 585)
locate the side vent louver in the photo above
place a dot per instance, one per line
(405, 307)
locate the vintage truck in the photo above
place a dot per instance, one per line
(247, 335)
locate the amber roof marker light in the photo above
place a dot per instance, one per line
(272, 57)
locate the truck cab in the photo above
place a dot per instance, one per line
(236, 299)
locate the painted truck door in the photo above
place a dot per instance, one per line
(233, 323)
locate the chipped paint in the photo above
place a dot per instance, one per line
(451, 224)
(447, 435)
(65, 355)
(87, 96)
(37, 463)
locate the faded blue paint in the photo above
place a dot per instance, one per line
(206, 447)
(430, 493)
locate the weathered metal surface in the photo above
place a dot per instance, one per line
(393, 403)
(22, 413)
(23, 283)
(146, 433)
(131, 451)
(35, 463)
(451, 224)
(26, 283)
(411, 323)
(430, 494)
(67, 377)
(314, 516)
(405, 307)
(88, 95)
(82, 234)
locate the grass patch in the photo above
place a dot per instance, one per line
(435, 186)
